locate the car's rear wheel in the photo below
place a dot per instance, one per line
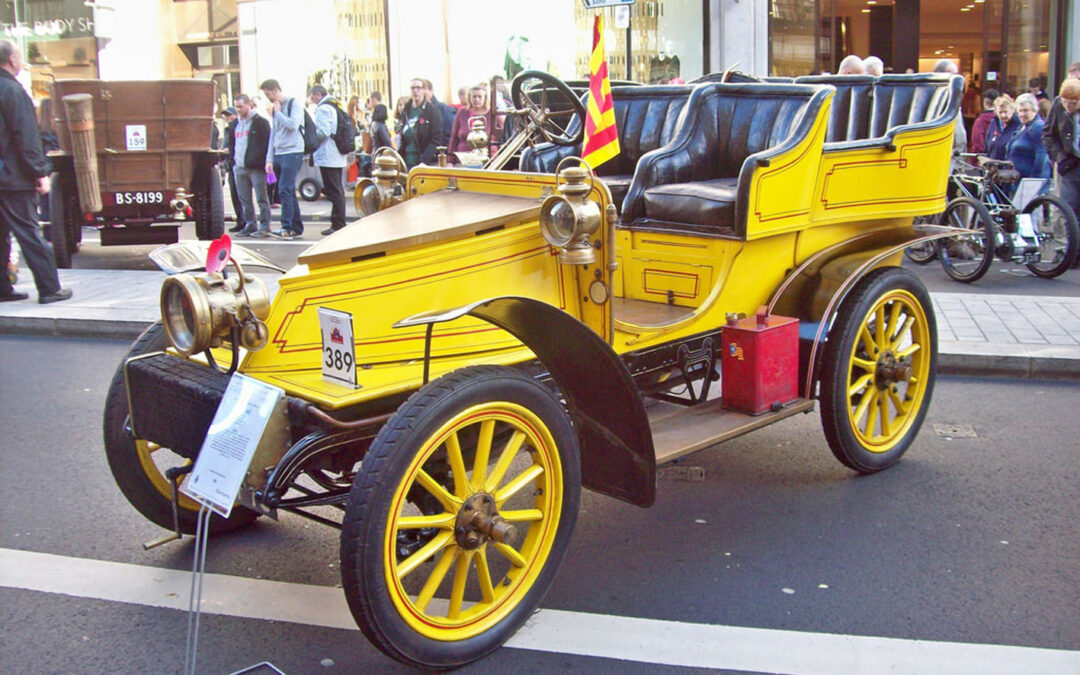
(878, 371)
(464, 459)
(139, 466)
(63, 226)
(210, 208)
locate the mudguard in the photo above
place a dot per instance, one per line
(617, 456)
(814, 291)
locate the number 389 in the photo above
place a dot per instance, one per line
(338, 359)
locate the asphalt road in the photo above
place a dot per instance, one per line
(968, 539)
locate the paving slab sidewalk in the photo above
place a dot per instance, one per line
(988, 335)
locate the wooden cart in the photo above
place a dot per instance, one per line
(155, 164)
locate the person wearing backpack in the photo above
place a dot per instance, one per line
(328, 156)
(286, 149)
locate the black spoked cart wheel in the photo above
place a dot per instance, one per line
(967, 257)
(926, 251)
(1059, 237)
(63, 221)
(460, 516)
(210, 208)
(139, 466)
(878, 371)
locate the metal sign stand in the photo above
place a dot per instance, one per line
(198, 571)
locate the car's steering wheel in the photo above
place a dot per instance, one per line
(550, 105)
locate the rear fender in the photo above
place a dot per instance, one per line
(814, 292)
(617, 456)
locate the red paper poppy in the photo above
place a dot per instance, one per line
(218, 254)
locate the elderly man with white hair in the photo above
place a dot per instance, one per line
(959, 133)
(874, 66)
(851, 65)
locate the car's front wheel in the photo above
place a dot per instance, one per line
(460, 516)
(878, 372)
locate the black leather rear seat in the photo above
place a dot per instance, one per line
(697, 182)
(849, 118)
(645, 118)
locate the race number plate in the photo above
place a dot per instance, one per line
(1024, 225)
(231, 441)
(126, 198)
(135, 135)
(338, 351)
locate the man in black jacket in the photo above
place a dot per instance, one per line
(423, 129)
(1059, 137)
(23, 169)
(246, 141)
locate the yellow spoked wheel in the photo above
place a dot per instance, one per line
(460, 516)
(878, 372)
(139, 466)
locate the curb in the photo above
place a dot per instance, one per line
(1029, 366)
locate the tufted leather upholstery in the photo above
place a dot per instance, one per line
(645, 117)
(849, 119)
(700, 177)
(912, 99)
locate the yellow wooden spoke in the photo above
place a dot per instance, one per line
(909, 350)
(864, 403)
(483, 575)
(435, 578)
(867, 341)
(871, 416)
(505, 459)
(522, 515)
(868, 365)
(901, 405)
(405, 567)
(448, 501)
(860, 384)
(511, 554)
(457, 465)
(883, 408)
(904, 332)
(442, 520)
(483, 454)
(522, 479)
(894, 318)
(457, 591)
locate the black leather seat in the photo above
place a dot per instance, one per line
(905, 100)
(849, 118)
(697, 183)
(645, 117)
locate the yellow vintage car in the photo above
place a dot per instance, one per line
(455, 366)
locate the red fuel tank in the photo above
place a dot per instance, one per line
(759, 362)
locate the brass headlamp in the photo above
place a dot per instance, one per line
(569, 218)
(199, 310)
(386, 185)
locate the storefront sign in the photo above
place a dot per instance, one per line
(47, 20)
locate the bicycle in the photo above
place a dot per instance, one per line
(1044, 235)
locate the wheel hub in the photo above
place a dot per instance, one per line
(479, 520)
(891, 370)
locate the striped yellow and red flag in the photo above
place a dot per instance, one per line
(601, 138)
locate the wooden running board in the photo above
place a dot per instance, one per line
(679, 431)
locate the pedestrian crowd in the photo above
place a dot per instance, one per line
(265, 150)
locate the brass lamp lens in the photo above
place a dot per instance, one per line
(186, 314)
(370, 200)
(558, 221)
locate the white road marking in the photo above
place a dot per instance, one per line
(671, 643)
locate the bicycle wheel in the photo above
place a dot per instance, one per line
(967, 257)
(1058, 233)
(924, 251)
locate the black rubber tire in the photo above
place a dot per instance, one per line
(63, 241)
(122, 454)
(923, 252)
(210, 210)
(309, 190)
(836, 374)
(1066, 220)
(382, 473)
(980, 248)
